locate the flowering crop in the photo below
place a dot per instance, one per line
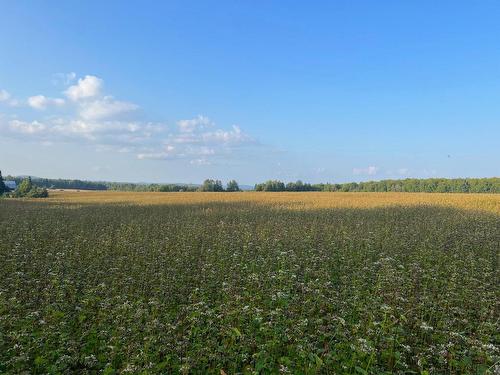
(250, 283)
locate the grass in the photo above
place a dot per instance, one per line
(104, 282)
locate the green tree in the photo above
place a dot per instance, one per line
(28, 190)
(3, 188)
(274, 185)
(465, 188)
(37, 192)
(232, 186)
(211, 185)
(24, 188)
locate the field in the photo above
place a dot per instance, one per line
(333, 283)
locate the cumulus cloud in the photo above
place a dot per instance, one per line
(41, 102)
(369, 171)
(103, 121)
(87, 87)
(105, 108)
(119, 135)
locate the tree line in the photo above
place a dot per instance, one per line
(413, 185)
(429, 185)
(208, 185)
(25, 189)
(59, 183)
(51, 183)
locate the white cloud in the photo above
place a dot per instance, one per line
(42, 102)
(201, 161)
(232, 136)
(4, 95)
(6, 98)
(87, 87)
(168, 153)
(175, 152)
(197, 123)
(103, 121)
(370, 171)
(105, 108)
(23, 127)
(146, 140)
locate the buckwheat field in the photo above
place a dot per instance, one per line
(300, 283)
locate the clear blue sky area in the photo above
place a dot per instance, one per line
(182, 91)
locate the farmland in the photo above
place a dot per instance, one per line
(366, 283)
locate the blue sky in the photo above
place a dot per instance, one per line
(252, 90)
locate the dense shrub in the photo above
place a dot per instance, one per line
(27, 190)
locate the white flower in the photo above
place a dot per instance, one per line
(426, 327)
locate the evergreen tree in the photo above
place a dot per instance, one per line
(232, 186)
(3, 188)
(211, 185)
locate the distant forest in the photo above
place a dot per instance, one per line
(51, 183)
(429, 185)
(414, 185)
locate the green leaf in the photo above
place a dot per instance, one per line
(236, 331)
